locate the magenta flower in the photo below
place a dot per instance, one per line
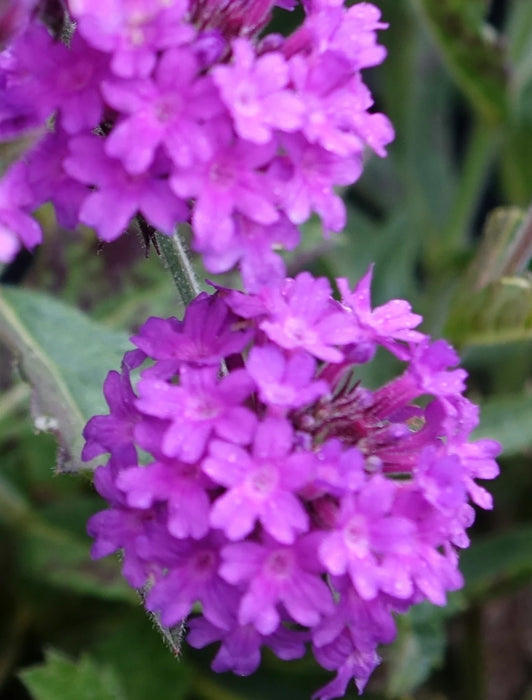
(277, 574)
(284, 382)
(132, 30)
(201, 116)
(254, 90)
(227, 183)
(119, 195)
(16, 224)
(260, 486)
(278, 491)
(199, 407)
(172, 110)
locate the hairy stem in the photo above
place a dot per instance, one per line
(177, 260)
(175, 257)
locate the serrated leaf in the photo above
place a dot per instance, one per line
(65, 357)
(62, 679)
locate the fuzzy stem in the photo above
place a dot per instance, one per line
(174, 255)
(178, 263)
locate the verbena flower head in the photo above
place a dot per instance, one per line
(297, 506)
(189, 111)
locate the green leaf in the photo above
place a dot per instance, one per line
(65, 357)
(55, 557)
(519, 39)
(493, 302)
(10, 151)
(507, 419)
(504, 249)
(419, 647)
(517, 166)
(496, 563)
(62, 679)
(472, 53)
(500, 313)
(148, 669)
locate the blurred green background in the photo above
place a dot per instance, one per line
(445, 218)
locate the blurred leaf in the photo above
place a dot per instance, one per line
(418, 649)
(65, 356)
(145, 666)
(10, 151)
(496, 563)
(499, 313)
(493, 303)
(504, 249)
(507, 419)
(472, 53)
(516, 163)
(56, 557)
(519, 40)
(62, 679)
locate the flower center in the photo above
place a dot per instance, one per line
(280, 564)
(356, 537)
(262, 481)
(204, 563)
(201, 408)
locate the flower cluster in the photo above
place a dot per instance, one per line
(252, 473)
(185, 111)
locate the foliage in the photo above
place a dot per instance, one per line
(459, 91)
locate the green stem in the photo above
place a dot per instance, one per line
(177, 261)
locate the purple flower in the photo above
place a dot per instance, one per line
(15, 223)
(284, 381)
(115, 431)
(172, 110)
(132, 30)
(197, 408)
(303, 181)
(279, 490)
(385, 324)
(240, 645)
(193, 576)
(180, 485)
(302, 316)
(254, 90)
(260, 486)
(227, 183)
(202, 338)
(277, 574)
(349, 662)
(366, 529)
(119, 195)
(199, 117)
